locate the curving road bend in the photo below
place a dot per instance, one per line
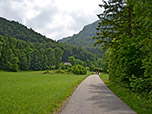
(93, 97)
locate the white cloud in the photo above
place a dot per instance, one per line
(53, 18)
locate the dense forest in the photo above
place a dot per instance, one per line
(84, 39)
(24, 49)
(125, 30)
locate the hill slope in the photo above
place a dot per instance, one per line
(12, 29)
(19, 31)
(84, 39)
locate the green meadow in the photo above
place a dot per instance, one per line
(35, 92)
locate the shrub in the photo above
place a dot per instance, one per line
(60, 71)
(79, 69)
(14, 68)
(46, 71)
(92, 67)
(99, 70)
(142, 86)
(69, 70)
(62, 66)
(52, 67)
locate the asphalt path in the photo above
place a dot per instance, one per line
(93, 97)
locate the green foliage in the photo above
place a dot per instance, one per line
(58, 56)
(147, 61)
(60, 71)
(17, 54)
(51, 56)
(125, 29)
(1, 44)
(16, 30)
(140, 85)
(75, 61)
(104, 61)
(52, 67)
(125, 61)
(99, 70)
(15, 64)
(69, 70)
(110, 27)
(92, 67)
(79, 69)
(63, 66)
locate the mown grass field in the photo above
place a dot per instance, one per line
(35, 92)
(137, 103)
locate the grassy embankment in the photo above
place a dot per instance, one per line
(137, 103)
(35, 92)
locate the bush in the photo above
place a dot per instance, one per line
(100, 70)
(69, 70)
(79, 69)
(142, 86)
(62, 66)
(14, 68)
(52, 67)
(46, 71)
(92, 67)
(60, 71)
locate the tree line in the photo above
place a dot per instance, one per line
(17, 55)
(125, 30)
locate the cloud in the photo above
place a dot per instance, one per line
(53, 18)
(44, 17)
(8, 10)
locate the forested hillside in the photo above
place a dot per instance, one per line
(24, 49)
(84, 39)
(19, 31)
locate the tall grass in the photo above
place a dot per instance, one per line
(34, 92)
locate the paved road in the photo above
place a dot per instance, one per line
(93, 97)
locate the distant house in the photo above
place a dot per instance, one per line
(67, 63)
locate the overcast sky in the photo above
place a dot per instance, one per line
(53, 18)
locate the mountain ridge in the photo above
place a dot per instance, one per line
(13, 28)
(88, 30)
(84, 39)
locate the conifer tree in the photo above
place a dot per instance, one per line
(111, 25)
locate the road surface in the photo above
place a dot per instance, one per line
(93, 97)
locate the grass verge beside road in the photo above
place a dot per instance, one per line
(35, 92)
(138, 104)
